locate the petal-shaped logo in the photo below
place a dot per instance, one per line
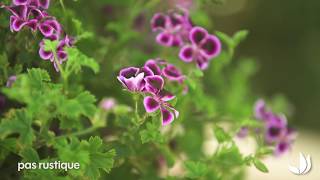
(304, 166)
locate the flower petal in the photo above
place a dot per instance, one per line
(153, 66)
(197, 35)
(211, 47)
(154, 84)
(166, 95)
(44, 3)
(186, 53)
(202, 62)
(33, 23)
(164, 39)
(167, 116)
(20, 2)
(129, 72)
(150, 104)
(172, 73)
(46, 29)
(158, 21)
(16, 24)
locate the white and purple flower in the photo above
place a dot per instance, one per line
(159, 99)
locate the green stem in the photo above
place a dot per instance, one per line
(80, 133)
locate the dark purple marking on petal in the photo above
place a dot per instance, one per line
(20, 11)
(176, 41)
(45, 55)
(202, 62)
(164, 39)
(154, 84)
(175, 19)
(197, 34)
(147, 71)
(44, 3)
(281, 148)
(211, 46)
(186, 53)
(158, 21)
(16, 24)
(46, 29)
(172, 72)
(62, 55)
(167, 116)
(33, 24)
(153, 66)
(150, 104)
(129, 72)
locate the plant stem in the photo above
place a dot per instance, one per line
(80, 133)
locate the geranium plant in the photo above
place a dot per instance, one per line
(129, 95)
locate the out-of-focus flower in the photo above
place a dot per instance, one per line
(276, 130)
(172, 73)
(173, 28)
(243, 132)
(159, 99)
(11, 80)
(108, 104)
(202, 49)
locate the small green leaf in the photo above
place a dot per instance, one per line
(195, 170)
(77, 60)
(50, 45)
(151, 133)
(260, 166)
(239, 37)
(220, 134)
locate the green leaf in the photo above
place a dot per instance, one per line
(99, 159)
(151, 133)
(220, 134)
(239, 37)
(77, 60)
(195, 170)
(50, 45)
(92, 156)
(18, 122)
(29, 155)
(260, 166)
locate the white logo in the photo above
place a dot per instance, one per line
(304, 167)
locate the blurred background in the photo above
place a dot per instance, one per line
(284, 39)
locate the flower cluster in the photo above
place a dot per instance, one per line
(33, 14)
(149, 81)
(276, 130)
(196, 44)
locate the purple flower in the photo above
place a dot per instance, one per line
(276, 131)
(243, 132)
(132, 79)
(11, 80)
(19, 18)
(260, 110)
(172, 73)
(153, 66)
(61, 53)
(108, 104)
(285, 143)
(275, 128)
(50, 28)
(159, 99)
(173, 28)
(36, 3)
(202, 49)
